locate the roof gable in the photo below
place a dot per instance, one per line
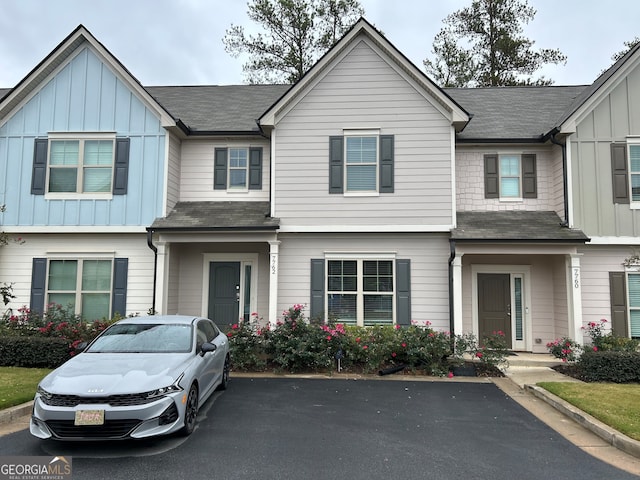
(364, 31)
(59, 57)
(603, 85)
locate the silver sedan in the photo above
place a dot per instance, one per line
(143, 376)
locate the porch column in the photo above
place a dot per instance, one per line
(274, 248)
(574, 297)
(162, 278)
(457, 294)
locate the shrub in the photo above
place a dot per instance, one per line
(610, 366)
(490, 352)
(609, 341)
(565, 349)
(33, 352)
(247, 345)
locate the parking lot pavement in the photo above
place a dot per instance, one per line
(308, 428)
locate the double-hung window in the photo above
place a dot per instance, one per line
(81, 165)
(361, 291)
(634, 171)
(510, 176)
(361, 153)
(82, 285)
(633, 289)
(238, 168)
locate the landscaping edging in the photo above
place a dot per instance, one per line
(608, 434)
(11, 414)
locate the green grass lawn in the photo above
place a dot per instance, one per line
(18, 385)
(617, 405)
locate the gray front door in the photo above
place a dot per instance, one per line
(494, 305)
(224, 293)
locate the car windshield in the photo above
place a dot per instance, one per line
(144, 338)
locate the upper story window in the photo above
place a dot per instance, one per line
(80, 166)
(237, 169)
(66, 165)
(510, 176)
(634, 171)
(361, 162)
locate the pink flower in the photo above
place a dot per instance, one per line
(365, 347)
(394, 354)
(450, 375)
(404, 345)
(234, 326)
(479, 354)
(358, 340)
(397, 327)
(329, 337)
(595, 349)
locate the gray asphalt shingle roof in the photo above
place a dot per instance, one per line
(231, 108)
(518, 226)
(513, 113)
(218, 216)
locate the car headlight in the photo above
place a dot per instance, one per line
(161, 392)
(43, 393)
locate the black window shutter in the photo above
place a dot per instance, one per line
(317, 289)
(121, 170)
(386, 163)
(403, 292)
(491, 187)
(336, 164)
(119, 294)
(529, 181)
(38, 284)
(618, 295)
(620, 173)
(39, 172)
(220, 169)
(255, 168)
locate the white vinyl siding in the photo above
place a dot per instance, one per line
(363, 92)
(427, 252)
(197, 176)
(16, 262)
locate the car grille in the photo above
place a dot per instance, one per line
(113, 400)
(112, 429)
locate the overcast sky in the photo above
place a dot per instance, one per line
(179, 42)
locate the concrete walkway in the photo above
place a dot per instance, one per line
(521, 376)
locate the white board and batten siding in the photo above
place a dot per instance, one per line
(363, 91)
(614, 119)
(429, 268)
(16, 262)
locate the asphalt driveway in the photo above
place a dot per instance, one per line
(331, 429)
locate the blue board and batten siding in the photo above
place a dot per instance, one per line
(83, 96)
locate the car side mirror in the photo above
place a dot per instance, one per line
(207, 347)
(81, 347)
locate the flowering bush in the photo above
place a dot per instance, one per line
(565, 349)
(246, 341)
(58, 321)
(491, 352)
(601, 341)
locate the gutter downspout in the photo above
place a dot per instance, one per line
(452, 256)
(565, 180)
(155, 267)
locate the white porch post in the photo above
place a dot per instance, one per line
(574, 300)
(162, 276)
(457, 294)
(274, 248)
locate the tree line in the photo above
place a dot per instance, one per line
(480, 45)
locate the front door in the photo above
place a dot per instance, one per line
(224, 293)
(494, 305)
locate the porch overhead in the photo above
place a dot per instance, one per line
(212, 216)
(514, 227)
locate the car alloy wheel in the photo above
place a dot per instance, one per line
(191, 411)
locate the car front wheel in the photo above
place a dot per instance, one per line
(225, 374)
(191, 411)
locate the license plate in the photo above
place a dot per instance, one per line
(89, 417)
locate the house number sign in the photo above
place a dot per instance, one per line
(576, 278)
(274, 264)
